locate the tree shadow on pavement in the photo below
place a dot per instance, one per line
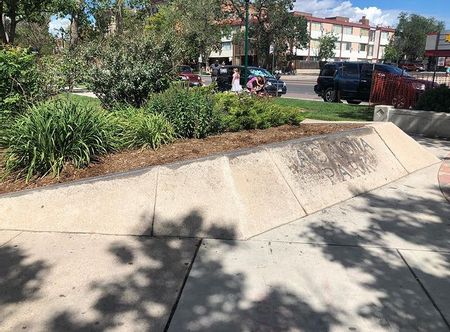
(144, 299)
(401, 304)
(20, 278)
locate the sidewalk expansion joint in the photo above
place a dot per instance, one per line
(425, 290)
(175, 305)
(14, 237)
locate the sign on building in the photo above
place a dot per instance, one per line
(438, 44)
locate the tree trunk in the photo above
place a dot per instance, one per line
(119, 17)
(75, 23)
(74, 36)
(3, 35)
(12, 15)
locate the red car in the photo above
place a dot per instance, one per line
(185, 73)
(412, 67)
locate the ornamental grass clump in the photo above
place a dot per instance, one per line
(140, 129)
(53, 134)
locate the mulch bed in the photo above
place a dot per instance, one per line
(180, 150)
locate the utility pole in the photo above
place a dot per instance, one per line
(246, 42)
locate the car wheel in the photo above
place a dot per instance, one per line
(329, 95)
(354, 102)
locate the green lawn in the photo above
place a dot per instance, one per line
(94, 102)
(320, 110)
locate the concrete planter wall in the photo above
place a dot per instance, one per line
(430, 124)
(233, 195)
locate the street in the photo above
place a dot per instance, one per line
(301, 88)
(298, 87)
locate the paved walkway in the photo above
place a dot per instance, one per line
(377, 262)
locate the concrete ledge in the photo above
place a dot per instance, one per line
(408, 152)
(430, 124)
(234, 195)
(326, 171)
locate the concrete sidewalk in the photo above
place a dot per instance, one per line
(377, 262)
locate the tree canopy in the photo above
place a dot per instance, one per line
(411, 34)
(272, 25)
(327, 46)
(12, 12)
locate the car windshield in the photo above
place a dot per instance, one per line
(185, 69)
(260, 72)
(396, 71)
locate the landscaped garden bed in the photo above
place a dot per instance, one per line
(182, 149)
(46, 137)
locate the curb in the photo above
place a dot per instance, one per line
(444, 178)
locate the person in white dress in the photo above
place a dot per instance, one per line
(236, 82)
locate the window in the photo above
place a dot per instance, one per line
(315, 44)
(367, 71)
(371, 35)
(370, 50)
(364, 33)
(328, 70)
(362, 47)
(347, 46)
(316, 26)
(337, 29)
(226, 46)
(348, 31)
(385, 35)
(260, 72)
(350, 70)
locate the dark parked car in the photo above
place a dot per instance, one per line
(409, 66)
(352, 81)
(185, 73)
(273, 86)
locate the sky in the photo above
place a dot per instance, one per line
(383, 12)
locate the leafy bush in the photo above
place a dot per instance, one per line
(190, 111)
(20, 81)
(53, 134)
(63, 71)
(435, 100)
(128, 70)
(242, 112)
(140, 129)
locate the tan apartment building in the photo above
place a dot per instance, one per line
(356, 41)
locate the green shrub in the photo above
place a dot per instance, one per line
(140, 129)
(19, 80)
(128, 70)
(190, 111)
(241, 112)
(52, 134)
(435, 100)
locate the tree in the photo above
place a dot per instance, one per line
(327, 46)
(195, 26)
(12, 12)
(36, 36)
(273, 25)
(77, 11)
(391, 52)
(411, 34)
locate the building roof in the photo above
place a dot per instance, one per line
(345, 21)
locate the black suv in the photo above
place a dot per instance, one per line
(273, 86)
(350, 81)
